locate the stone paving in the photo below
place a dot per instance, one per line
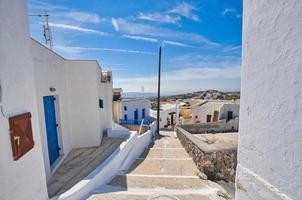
(79, 163)
(163, 172)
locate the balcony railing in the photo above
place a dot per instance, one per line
(135, 122)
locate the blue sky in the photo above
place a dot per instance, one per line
(201, 40)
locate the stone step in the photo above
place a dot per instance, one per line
(165, 153)
(150, 197)
(181, 167)
(109, 192)
(164, 182)
(167, 143)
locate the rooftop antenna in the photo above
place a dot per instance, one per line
(46, 29)
(143, 91)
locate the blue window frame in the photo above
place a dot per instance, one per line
(136, 114)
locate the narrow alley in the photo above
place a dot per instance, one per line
(164, 171)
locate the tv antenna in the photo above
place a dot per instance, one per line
(143, 91)
(46, 29)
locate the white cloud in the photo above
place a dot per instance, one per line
(79, 49)
(128, 27)
(77, 28)
(136, 37)
(192, 74)
(115, 24)
(85, 17)
(35, 5)
(232, 11)
(187, 79)
(186, 10)
(179, 44)
(159, 17)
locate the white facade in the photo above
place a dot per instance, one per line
(209, 110)
(167, 114)
(270, 142)
(128, 106)
(78, 88)
(25, 178)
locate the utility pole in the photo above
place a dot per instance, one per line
(46, 29)
(158, 91)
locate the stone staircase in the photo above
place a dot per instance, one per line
(164, 172)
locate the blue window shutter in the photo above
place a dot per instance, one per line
(101, 103)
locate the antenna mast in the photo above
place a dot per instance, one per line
(46, 29)
(143, 91)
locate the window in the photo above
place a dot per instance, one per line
(125, 108)
(136, 114)
(209, 118)
(101, 103)
(125, 117)
(143, 113)
(196, 117)
(230, 115)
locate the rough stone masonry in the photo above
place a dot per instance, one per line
(215, 156)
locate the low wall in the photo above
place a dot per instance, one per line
(133, 127)
(121, 159)
(212, 127)
(216, 164)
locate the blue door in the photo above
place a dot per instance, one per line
(51, 128)
(143, 113)
(136, 115)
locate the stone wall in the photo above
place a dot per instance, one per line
(212, 127)
(216, 164)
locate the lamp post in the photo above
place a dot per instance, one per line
(158, 91)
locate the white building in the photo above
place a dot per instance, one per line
(131, 110)
(270, 133)
(48, 105)
(168, 114)
(75, 95)
(213, 111)
(24, 178)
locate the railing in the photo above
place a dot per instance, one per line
(136, 122)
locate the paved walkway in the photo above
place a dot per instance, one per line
(163, 172)
(79, 163)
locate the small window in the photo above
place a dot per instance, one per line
(196, 117)
(209, 118)
(125, 108)
(101, 103)
(125, 117)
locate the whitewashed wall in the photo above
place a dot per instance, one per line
(106, 113)
(270, 133)
(49, 71)
(234, 107)
(211, 106)
(83, 80)
(134, 104)
(163, 115)
(23, 179)
(204, 110)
